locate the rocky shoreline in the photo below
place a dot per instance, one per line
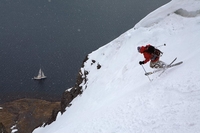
(24, 115)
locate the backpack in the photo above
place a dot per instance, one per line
(150, 49)
(154, 51)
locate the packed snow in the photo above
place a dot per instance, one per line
(119, 98)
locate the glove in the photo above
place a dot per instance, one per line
(141, 62)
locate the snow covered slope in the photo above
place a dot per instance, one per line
(118, 97)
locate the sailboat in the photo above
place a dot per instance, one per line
(40, 75)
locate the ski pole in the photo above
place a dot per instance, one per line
(146, 72)
(161, 45)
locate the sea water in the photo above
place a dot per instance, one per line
(56, 36)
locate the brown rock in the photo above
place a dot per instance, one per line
(2, 128)
(27, 114)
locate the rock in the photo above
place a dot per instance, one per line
(27, 114)
(72, 93)
(2, 128)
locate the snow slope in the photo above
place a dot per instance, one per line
(119, 98)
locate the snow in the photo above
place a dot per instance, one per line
(119, 98)
(13, 128)
(14, 131)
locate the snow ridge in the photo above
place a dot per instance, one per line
(185, 13)
(179, 7)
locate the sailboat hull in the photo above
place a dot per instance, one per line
(38, 78)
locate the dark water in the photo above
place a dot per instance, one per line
(56, 35)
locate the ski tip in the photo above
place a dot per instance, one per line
(148, 73)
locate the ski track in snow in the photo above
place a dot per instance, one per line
(119, 97)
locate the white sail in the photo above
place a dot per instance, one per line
(40, 75)
(40, 72)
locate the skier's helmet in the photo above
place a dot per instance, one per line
(138, 48)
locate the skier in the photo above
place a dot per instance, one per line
(153, 54)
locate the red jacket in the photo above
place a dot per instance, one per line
(147, 56)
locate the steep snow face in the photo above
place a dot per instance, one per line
(119, 98)
(179, 7)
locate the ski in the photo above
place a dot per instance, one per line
(163, 69)
(149, 73)
(167, 67)
(170, 67)
(172, 62)
(175, 64)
